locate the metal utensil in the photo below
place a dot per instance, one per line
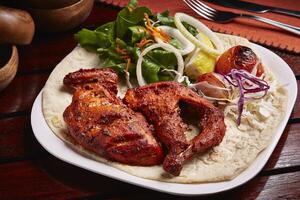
(253, 7)
(224, 16)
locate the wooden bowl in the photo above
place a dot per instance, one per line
(10, 58)
(61, 19)
(49, 4)
(16, 26)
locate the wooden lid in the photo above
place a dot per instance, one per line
(17, 26)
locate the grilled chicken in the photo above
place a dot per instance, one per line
(99, 121)
(159, 102)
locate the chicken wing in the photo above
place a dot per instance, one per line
(159, 102)
(99, 121)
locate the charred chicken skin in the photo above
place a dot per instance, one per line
(159, 102)
(99, 121)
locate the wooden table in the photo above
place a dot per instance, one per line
(27, 171)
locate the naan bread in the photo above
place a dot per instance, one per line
(236, 152)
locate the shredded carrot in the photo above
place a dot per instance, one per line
(124, 54)
(155, 32)
(121, 51)
(143, 42)
(128, 64)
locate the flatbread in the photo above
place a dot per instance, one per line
(240, 146)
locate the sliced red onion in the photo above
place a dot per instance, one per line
(239, 78)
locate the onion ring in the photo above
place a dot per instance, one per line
(188, 47)
(167, 47)
(199, 26)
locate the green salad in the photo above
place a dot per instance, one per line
(120, 42)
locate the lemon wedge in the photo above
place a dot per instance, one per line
(199, 62)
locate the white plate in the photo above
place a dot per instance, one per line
(58, 148)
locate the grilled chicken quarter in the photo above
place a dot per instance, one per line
(159, 103)
(99, 121)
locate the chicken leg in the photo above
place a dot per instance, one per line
(159, 102)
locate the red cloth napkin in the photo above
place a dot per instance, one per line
(253, 30)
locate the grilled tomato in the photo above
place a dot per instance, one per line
(239, 57)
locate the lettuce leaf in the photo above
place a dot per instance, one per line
(175, 43)
(110, 53)
(150, 70)
(153, 64)
(138, 33)
(108, 29)
(163, 58)
(132, 3)
(102, 37)
(127, 18)
(118, 66)
(165, 19)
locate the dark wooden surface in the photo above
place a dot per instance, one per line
(27, 171)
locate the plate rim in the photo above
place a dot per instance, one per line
(37, 108)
